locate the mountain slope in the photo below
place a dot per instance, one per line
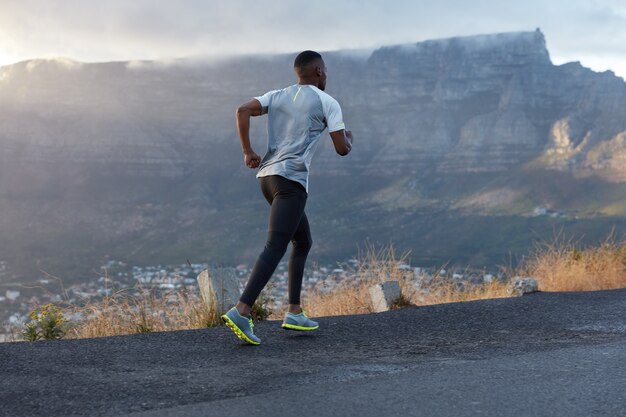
(457, 138)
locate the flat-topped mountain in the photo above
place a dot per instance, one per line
(456, 139)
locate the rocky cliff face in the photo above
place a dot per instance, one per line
(96, 155)
(482, 103)
(489, 103)
(467, 100)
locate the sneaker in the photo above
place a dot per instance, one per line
(299, 322)
(241, 326)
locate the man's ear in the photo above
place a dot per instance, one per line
(318, 71)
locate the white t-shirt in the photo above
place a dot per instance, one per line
(297, 116)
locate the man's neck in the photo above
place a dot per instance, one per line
(305, 81)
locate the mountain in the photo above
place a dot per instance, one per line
(467, 150)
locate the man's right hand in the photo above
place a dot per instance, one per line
(342, 139)
(251, 159)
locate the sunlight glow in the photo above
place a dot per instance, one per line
(7, 59)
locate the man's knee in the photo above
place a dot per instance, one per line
(276, 245)
(303, 244)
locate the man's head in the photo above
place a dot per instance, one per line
(310, 68)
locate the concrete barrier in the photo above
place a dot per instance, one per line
(520, 286)
(384, 295)
(220, 288)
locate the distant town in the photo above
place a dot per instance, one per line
(15, 304)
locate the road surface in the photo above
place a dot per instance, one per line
(543, 354)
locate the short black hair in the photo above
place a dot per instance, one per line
(305, 58)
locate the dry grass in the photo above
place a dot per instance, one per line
(344, 299)
(558, 266)
(122, 313)
(446, 292)
(566, 266)
(147, 311)
(379, 265)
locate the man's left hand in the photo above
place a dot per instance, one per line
(252, 160)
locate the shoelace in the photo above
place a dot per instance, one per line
(303, 315)
(251, 325)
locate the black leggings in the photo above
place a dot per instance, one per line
(287, 223)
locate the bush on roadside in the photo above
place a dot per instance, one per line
(46, 323)
(564, 265)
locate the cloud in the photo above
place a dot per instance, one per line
(60, 61)
(156, 64)
(140, 29)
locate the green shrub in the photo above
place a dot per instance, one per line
(46, 323)
(261, 309)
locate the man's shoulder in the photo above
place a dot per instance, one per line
(289, 87)
(279, 90)
(324, 96)
(272, 95)
(321, 93)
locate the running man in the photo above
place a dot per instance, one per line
(297, 117)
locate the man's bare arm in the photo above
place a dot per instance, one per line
(342, 139)
(244, 112)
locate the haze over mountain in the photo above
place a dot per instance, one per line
(460, 144)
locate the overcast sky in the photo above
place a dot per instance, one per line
(590, 31)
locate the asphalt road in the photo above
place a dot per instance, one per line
(544, 354)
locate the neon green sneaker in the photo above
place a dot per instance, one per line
(241, 326)
(299, 322)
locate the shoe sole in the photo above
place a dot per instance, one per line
(240, 334)
(299, 328)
